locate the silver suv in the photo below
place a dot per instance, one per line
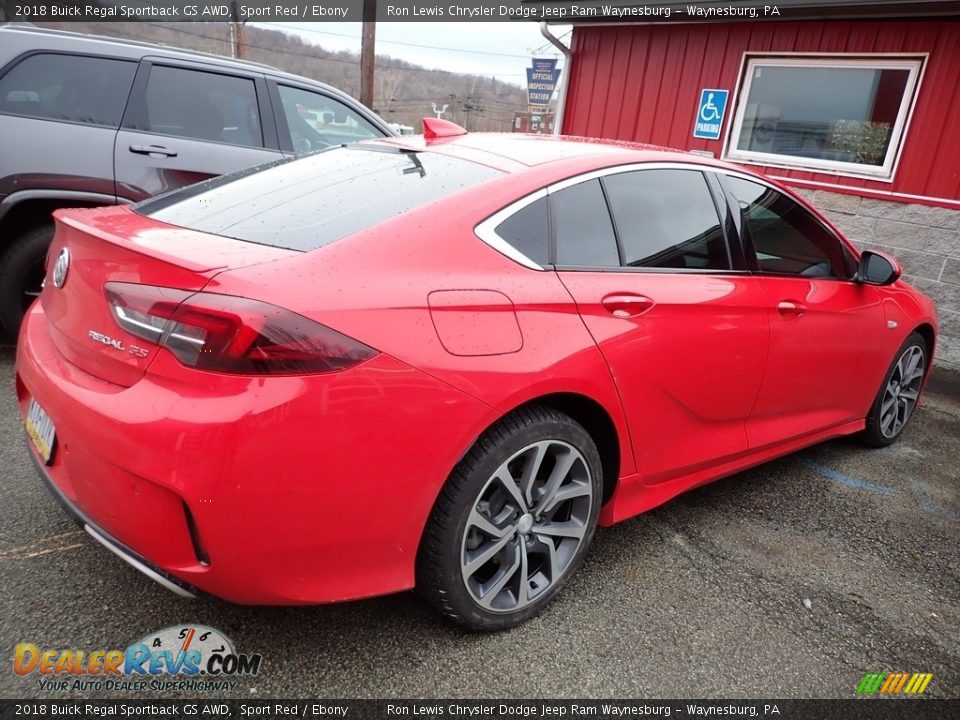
(87, 120)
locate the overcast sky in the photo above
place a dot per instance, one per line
(501, 49)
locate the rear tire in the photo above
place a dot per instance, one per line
(22, 267)
(898, 395)
(513, 521)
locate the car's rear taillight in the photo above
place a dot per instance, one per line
(224, 333)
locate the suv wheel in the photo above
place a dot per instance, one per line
(22, 267)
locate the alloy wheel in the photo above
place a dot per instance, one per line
(902, 391)
(526, 526)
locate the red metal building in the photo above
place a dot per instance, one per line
(865, 106)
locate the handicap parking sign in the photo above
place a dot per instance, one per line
(713, 105)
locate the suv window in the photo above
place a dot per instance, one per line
(788, 240)
(74, 88)
(666, 219)
(305, 203)
(528, 231)
(203, 106)
(316, 121)
(583, 228)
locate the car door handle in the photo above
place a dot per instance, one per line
(625, 305)
(791, 308)
(153, 150)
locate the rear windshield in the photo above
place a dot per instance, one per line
(309, 202)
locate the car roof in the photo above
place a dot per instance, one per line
(66, 40)
(517, 152)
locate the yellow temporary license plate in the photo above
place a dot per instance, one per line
(41, 430)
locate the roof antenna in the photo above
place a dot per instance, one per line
(434, 128)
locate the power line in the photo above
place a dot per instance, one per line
(408, 44)
(547, 45)
(410, 68)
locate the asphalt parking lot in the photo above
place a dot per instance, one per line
(790, 580)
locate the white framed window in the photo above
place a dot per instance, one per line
(834, 114)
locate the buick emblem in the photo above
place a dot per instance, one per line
(60, 268)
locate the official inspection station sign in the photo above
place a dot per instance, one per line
(541, 81)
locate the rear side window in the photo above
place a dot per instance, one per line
(312, 201)
(582, 227)
(528, 230)
(315, 121)
(787, 239)
(667, 219)
(203, 106)
(72, 88)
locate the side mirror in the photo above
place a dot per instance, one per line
(878, 269)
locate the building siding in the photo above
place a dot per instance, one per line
(926, 241)
(642, 83)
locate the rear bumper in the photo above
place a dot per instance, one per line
(171, 583)
(275, 490)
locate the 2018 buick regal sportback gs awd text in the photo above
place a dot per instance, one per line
(442, 361)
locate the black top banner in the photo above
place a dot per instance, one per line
(559, 11)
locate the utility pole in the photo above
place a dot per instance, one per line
(472, 104)
(241, 43)
(367, 52)
(236, 32)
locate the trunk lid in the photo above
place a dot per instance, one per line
(115, 244)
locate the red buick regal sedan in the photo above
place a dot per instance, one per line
(442, 361)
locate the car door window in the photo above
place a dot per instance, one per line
(315, 121)
(787, 239)
(666, 219)
(582, 226)
(72, 88)
(203, 106)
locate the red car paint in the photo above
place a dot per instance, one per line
(277, 489)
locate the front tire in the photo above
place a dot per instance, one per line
(22, 267)
(898, 395)
(513, 522)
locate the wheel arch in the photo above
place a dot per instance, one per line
(25, 210)
(929, 335)
(594, 418)
(596, 421)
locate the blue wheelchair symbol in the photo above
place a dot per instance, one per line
(709, 111)
(713, 105)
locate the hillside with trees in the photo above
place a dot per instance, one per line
(403, 92)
